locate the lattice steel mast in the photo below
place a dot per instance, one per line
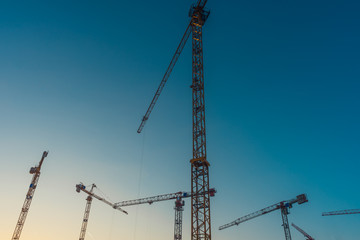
(200, 200)
(29, 196)
(86, 214)
(284, 213)
(179, 208)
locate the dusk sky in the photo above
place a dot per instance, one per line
(282, 115)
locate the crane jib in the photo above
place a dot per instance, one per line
(166, 76)
(300, 199)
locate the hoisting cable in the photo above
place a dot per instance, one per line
(140, 180)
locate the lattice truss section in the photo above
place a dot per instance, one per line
(201, 226)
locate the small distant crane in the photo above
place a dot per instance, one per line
(81, 187)
(29, 196)
(179, 204)
(307, 236)
(284, 206)
(342, 212)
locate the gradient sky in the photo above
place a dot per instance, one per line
(282, 111)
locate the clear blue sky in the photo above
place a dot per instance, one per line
(282, 111)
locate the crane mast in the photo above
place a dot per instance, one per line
(200, 200)
(179, 206)
(283, 206)
(29, 196)
(86, 215)
(81, 187)
(284, 213)
(341, 212)
(308, 237)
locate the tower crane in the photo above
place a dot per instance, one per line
(179, 204)
(342, 212)
(81, 187)
(200, 197)
(307, 236)
(29, 196)
(284, 206)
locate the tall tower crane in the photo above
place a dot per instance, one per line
(179, 204)
(200, 198)
(307, 236)
(81, 187)
(342, 212)
(29, 196)
(284, 207)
